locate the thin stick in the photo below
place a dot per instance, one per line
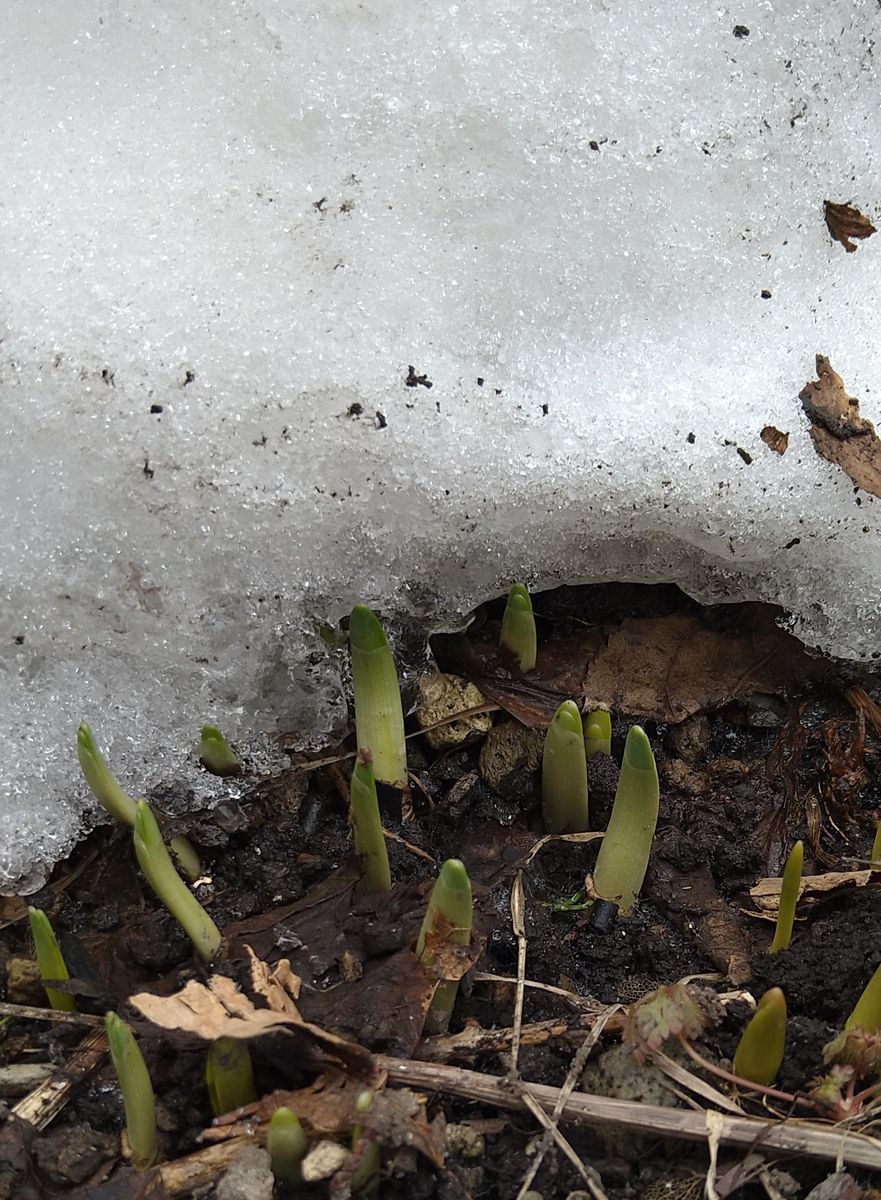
(572, 1076)
(793, 1137)
(46, 1101)
(29, 1013)
(519, 927)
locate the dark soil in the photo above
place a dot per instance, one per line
(739, 784)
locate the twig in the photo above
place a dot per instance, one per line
(519, 927)
(46, 1101)
(793, 1137)
(28, 1013)
(572, 1077)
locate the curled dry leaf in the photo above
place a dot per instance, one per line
(839, 433)
(219, 1009)
(278, 985)
(845, 222)
(766, 893)
(774, 439)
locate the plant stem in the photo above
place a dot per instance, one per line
(50, 960)
(624, 854)
(379, 718)
(286, 1143)
(789, 889)
(447, 922)
(137, 1092)
(564, 773)
(156, 864)
(598, 733)
(367, 825)
(518, 634)
(229, 1075)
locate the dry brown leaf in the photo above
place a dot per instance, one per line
(219, 1009)
(663, 668)
(774, 439)
(766, 893)
(845, 222)
(278, 985)
(839, 433)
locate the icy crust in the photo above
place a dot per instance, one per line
(240, 241)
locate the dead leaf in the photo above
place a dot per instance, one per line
(221, 1010)
(845, 222)
(278, 985)
(839, 433)
(664, 668)
(774, 439)
(766, 893)
(673, 667)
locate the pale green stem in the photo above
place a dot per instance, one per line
(367, 825)
(518, 634)
(216, 753)
(99, 778)
(156, 864)
(137, 1092)
(867, 1011)
(447, 922)
(564, 773)
(789, 889)
(50, 960)
(379, 717)
(624, 854)
(185, 857)
(286, 1144)
(229, 1075)
(759, 1053)
(598, 733)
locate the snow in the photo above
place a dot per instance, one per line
(229, 228)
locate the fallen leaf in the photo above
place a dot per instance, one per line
(221, 1010)
(773, 438)
(766, 893)
(278, 985)
(839, 433)
(845, 222)
(662, 668)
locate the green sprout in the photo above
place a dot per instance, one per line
(875, 859)
(759, 1053)
(624, 854)
(137, 1092)
(286, 1143)
(867, 1011)
(229, 1075)
(50, 960)
(789, 889)
(564, 773)
(379, 718)
(120, 805)
(99, 778)
(156, 864)
(365, 1175)
(447, 922)
(367, 825)
(216, 754)
(518, 635)
(183, 852)
(598, 733)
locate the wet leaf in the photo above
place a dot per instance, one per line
(845, 222)
(670, 1012)
(656, 668)
(839, 433)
